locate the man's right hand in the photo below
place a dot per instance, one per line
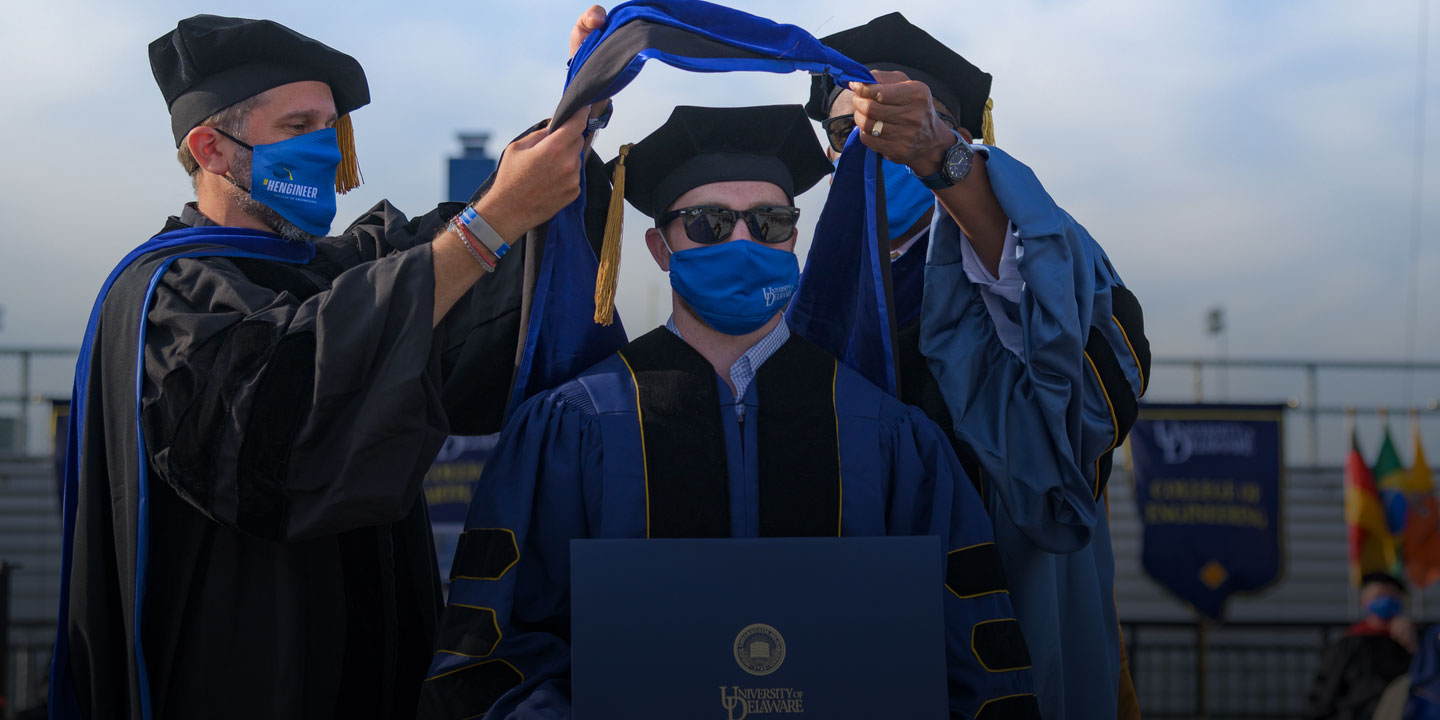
(539, 175)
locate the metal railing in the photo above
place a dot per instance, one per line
(27, 662)
(1234, 671)
(1307, 404)
(24, 395)
(1250, 671)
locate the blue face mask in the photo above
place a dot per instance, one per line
(906, 198)
(735, 286)
(296, 178)
(1386, 607)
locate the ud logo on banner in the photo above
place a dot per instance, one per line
(1207, 487)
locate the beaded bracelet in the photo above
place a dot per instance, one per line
(475, 248)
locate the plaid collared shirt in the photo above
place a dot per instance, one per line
(742, 373)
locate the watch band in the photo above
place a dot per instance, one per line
(482, 231)
(941, 179)
(938, 181)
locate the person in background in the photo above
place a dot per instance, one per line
(1355, 671)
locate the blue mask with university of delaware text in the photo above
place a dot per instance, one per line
(296, 178)
(906, 198)
(1385, 607)
(735, 286)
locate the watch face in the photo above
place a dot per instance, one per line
(958, 161)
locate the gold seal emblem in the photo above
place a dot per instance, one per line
(759, 649)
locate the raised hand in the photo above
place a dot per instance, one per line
(588, 22)
(539, 175)
(909, 130)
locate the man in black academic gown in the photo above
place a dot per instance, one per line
(257, 405)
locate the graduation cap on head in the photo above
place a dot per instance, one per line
(698, 146)
(701, 145)
(208, 63)
(890, 42)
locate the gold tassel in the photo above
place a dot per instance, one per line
(609, 274)
(987, 124)
(347, 176)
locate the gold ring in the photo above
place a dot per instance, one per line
(875, 131)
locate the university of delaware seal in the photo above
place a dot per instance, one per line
(759, 649)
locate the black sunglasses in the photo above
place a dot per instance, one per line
(711, 224)
(838, 128)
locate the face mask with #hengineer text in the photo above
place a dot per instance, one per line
(296, 178)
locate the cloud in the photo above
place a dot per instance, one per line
(1253, 155)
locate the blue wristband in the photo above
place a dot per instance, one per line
(483, 232)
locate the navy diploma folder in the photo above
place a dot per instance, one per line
(758, 629)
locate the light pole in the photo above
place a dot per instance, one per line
(1215, 325)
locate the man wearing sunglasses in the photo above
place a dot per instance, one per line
(1016, 335)
(719, 424)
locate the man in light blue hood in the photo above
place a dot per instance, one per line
(1015, 334)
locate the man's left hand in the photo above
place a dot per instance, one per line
(589, 21)
(911, 133)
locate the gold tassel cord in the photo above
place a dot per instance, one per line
(347, 175)
(987, 124)
(609, 274)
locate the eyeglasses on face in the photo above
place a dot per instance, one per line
(711, 224)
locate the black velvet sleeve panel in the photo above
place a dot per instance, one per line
(477, 338)
(291, 417)
(384, 229)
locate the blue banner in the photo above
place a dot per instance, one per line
(449, 485)
(1208, 483)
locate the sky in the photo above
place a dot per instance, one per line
(1255, 156)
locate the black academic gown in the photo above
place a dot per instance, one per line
(290, 413)
(1353, 674)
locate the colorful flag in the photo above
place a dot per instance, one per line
(1389, 471)
(1372, 547)
(1391, 481)
(1422, 525)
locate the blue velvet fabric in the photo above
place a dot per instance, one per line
(842, 304)
(562, 338)
(1423, 702)
(786, 48)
